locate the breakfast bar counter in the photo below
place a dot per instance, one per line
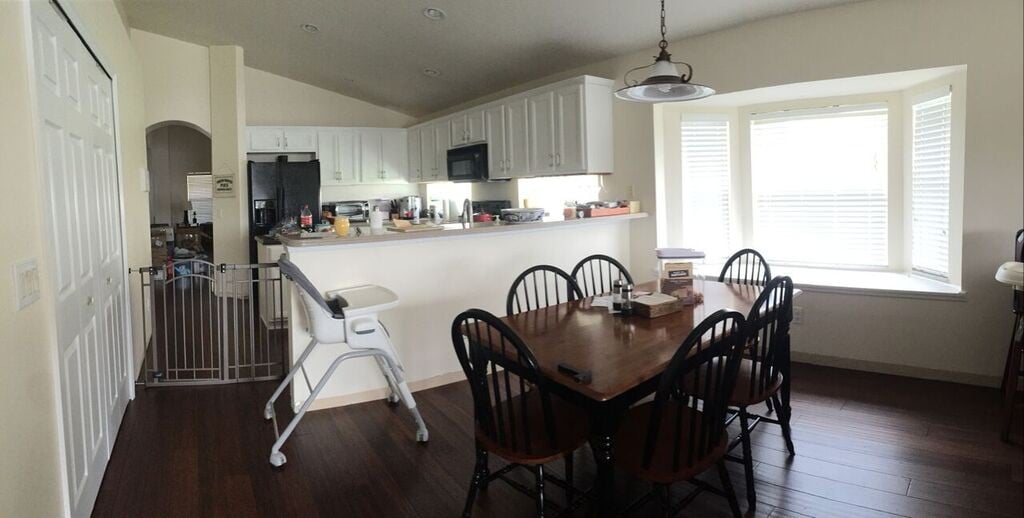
(436, 274)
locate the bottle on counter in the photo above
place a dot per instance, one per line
(306, 219)
(341, 226)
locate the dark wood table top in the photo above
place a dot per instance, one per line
(620, 352)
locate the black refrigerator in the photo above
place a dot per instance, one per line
(279, 190)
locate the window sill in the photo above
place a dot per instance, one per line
(858, 282)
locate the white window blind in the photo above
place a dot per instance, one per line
(930, 185)
(706, 186)
(819, 186)
(200, 196)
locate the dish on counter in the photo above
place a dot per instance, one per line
(513, 216)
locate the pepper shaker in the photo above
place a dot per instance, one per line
(627, 299)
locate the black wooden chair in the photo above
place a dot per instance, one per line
(763, 372)
(596, 273)
(676, 437)
(746, 266)
(539, 287)
(515, 416)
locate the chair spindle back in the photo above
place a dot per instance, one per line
(539, 287)
(746, 266)
(768, 333)
(596, 273)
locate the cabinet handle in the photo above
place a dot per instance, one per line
(278, 141)
(88, 301)
(286, 141)
(558, 159)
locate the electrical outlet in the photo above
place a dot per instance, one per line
(26, 283)
(798, 315)
(632, 193)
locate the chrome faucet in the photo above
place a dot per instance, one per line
(467, 212)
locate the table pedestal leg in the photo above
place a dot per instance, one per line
(601, 443)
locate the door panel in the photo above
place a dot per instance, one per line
(428, 150)
(516, 138)
(415, 155)
(542, 133)
(394, 156)
(459, 131)
(442, 144)
(475, 123)
(370, 157)
(494, 122)
(569, 133)
(82, 211)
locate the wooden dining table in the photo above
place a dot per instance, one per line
(624, 356)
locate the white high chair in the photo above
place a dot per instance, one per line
(345, 316)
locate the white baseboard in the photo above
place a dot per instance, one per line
(381, 393)
(897, 370)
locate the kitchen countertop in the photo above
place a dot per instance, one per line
(450, 230)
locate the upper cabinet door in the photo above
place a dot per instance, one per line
(459, 130)
(370, 163)
(442, 135)
(542, 133)
(428, 152)
(266, 139)
(569, 127)
(336, 150)
(327, 154)
(476, 126)
(494, 124)
(516, 137)
(394, 156)
(299, 140)
(415, 155)
(347, 149)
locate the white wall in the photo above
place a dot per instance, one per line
(177, 79)
(952, 340)
(30, 483)
(273, 100)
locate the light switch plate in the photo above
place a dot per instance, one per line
(26, 283)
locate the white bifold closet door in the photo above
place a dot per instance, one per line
(82, 211)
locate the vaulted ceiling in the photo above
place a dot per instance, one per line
(377, 50)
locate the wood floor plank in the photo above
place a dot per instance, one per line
(868, 446)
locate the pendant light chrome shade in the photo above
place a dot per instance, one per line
(665, 83)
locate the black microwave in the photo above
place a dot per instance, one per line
(468, 163)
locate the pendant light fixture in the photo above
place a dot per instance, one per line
(665, 84)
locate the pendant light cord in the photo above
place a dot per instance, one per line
(663, 44)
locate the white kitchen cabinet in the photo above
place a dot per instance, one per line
(569, 122)
(516, 138)
(442, 143)
(415, 152)
(383, 156)
(467, 128)
(494, 126)
(428, 153)
(266, 139)
(337, 151)
(542, 133)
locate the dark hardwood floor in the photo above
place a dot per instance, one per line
(867, 445)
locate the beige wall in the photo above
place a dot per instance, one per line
(273, 100)
(30, 483)
(227, 117)
(177, 79)
(953, 340)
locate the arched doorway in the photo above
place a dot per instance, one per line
(180, 195)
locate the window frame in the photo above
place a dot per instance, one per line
(900, 120)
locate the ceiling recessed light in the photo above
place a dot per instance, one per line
(431, 72)
(310, 28)
(434, 13)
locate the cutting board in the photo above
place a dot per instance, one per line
(416, 228)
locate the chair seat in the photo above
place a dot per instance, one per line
(632, 437)
(571, 430)
(742, 395)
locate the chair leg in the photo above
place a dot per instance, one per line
(768, 402)
(787, 431)
(748, 461)
(479, 480)
(730, 493)
(663, 499)
(1010, 379)
(539, 473)
(569, 489)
